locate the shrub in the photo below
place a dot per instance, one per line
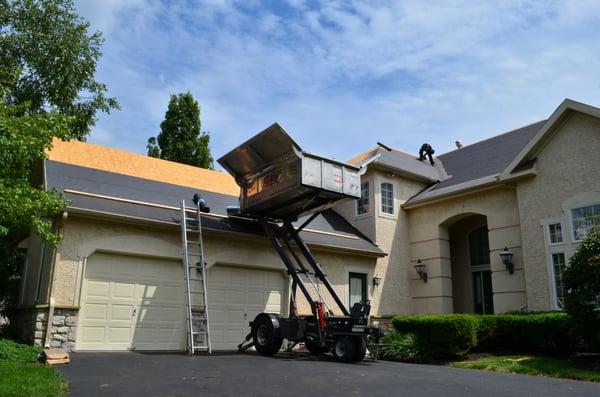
(13, 351)
(526, 333)
(442, 336)
(396, 346)
(582, 285)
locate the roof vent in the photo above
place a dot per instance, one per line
(426, 150)
(389, 149)
(458, 144)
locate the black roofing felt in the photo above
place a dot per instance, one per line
(485, 158)
(66, 176)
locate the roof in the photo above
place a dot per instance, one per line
(485, 158)
(102, 194)
(126, 163)
(498, 159)
(399, 162)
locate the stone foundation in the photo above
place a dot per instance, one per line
(31, 325)
(64, 329)
(384, 323)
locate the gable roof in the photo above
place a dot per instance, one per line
(398, 161)
(529, 151)
(123, 195)
(126, 163)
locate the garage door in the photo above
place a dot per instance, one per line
(131, 303)
(235, 296)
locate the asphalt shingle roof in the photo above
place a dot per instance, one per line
(103, 192)
(485, 158)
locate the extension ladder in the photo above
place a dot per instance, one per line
(194, 270)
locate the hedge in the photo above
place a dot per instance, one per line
(447, 335)
(454, 335)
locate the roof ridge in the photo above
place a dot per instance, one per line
(492, 137)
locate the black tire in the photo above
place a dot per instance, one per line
(344, 349)
(266, 342)
(360, 347)
(314, 347)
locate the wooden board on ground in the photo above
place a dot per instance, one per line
(56, 356)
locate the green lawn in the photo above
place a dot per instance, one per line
(531, 365)
(20, 375)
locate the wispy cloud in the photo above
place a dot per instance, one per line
(341, 75)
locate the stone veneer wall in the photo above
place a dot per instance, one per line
(64, 329)
(384, 323)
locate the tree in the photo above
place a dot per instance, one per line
(47, 90)
(24, 207)
(180, 138)
(46, 44)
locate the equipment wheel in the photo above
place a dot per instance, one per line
(314, 347)
(266, 341)
(344, 349)
(360, 349)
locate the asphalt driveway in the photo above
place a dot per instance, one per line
(294, 374)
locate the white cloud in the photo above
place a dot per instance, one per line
(341, 75)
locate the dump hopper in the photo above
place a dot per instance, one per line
(279, 180)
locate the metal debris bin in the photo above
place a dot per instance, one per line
(279, 180)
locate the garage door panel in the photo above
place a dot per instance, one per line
(121, 312)
(96, 311)
(98, 288)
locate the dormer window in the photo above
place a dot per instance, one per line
(362, 204)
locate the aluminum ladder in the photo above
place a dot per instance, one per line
(194, 270)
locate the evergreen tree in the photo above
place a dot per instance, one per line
(180, 138)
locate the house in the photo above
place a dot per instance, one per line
(115, 280)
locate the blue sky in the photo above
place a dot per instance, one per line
(342, 75)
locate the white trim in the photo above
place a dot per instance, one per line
(382, 213)
(368, 286)
(24, 277)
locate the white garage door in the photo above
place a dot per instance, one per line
(131, 302)
(235, 296)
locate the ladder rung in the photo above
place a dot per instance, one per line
(197, 292)
(196, 266)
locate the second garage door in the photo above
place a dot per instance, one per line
(235, 296)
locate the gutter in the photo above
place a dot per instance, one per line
(245, 236)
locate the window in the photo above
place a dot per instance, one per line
(555, 232)
(387, 198)
(584, 220)
(558, 265)
(479, 246)
(362, 204)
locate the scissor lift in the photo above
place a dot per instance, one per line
(279, 183)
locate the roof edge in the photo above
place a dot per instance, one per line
(566, 106)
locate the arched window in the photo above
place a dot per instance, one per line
(479, 247)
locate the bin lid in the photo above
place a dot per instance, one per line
(258, 152)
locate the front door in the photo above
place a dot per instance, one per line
(358, 288)
(482, 292)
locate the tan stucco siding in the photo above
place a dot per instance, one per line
(392, 231)
(83, 237)
(567, 175)
(429, 241)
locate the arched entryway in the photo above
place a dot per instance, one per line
(470, 265)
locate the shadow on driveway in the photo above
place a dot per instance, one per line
(293, 374)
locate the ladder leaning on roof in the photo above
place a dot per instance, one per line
(194, 270)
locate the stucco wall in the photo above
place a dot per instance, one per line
(568, 175)
(429, 241)
(84, 236)
(391, 233)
